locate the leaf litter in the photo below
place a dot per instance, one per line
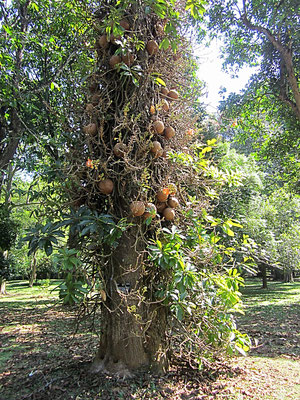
(41, 358)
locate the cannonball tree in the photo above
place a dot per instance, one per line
(139, 107)
(137, 178)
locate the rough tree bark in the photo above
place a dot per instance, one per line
(288, 276)
(132, 333)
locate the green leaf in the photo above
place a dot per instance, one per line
(48, 248)
(179, 312)
(159, 81)
(164, 44)
(54, 85)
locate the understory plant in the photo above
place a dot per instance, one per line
(201, 288)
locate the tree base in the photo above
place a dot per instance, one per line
(109, 367)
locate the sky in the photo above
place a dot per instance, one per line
(210, 71)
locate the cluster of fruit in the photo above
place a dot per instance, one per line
(158, 126)
(166, 203)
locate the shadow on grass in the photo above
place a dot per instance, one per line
(28, 304)
(36, 340)
(20, 295)
(272, 319)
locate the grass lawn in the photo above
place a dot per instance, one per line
(272, 320)
(43, 356)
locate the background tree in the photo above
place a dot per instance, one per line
(42, 44)
(8, 231)
(270, 218)
(264, 34)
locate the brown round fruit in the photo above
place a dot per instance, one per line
(177, 57)
(150, 211)
(164, 92)
(159, 127)
(160, 153)
(106, 186)
(173, 202)
(120, 150)
(114, 60)
(125, 24)
(152, 47)
(90, 129)
(173, 94)
(89, 108)
(93, 87)
(137, 208)
(162, 195)
(169, 214)
(155, 147)
(169, 132)
(103, 42)
(160, 207)
(128, 59)
(165, 105)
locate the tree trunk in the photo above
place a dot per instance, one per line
(2, 286)
(32, 277)
(288, 276)
(278, 275)
(263, 270)
(133, 333)
(287, 58)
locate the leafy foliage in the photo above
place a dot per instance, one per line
(8, 229)
(201, 292)
(271, 219)
(268, 110)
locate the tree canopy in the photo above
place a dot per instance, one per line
(264, 34)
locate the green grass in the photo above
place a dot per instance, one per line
(19, 294)
(277, 293)
(272, 316)
(39, 345)
(272, 320)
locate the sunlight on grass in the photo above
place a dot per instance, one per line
(277, 294)
(265, 372)
(19, 292)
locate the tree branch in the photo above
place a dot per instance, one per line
(286, 55)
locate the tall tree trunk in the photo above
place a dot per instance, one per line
(263, 270)
(2, 286)
(288, 276)
(32, 277)
(133, 333)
